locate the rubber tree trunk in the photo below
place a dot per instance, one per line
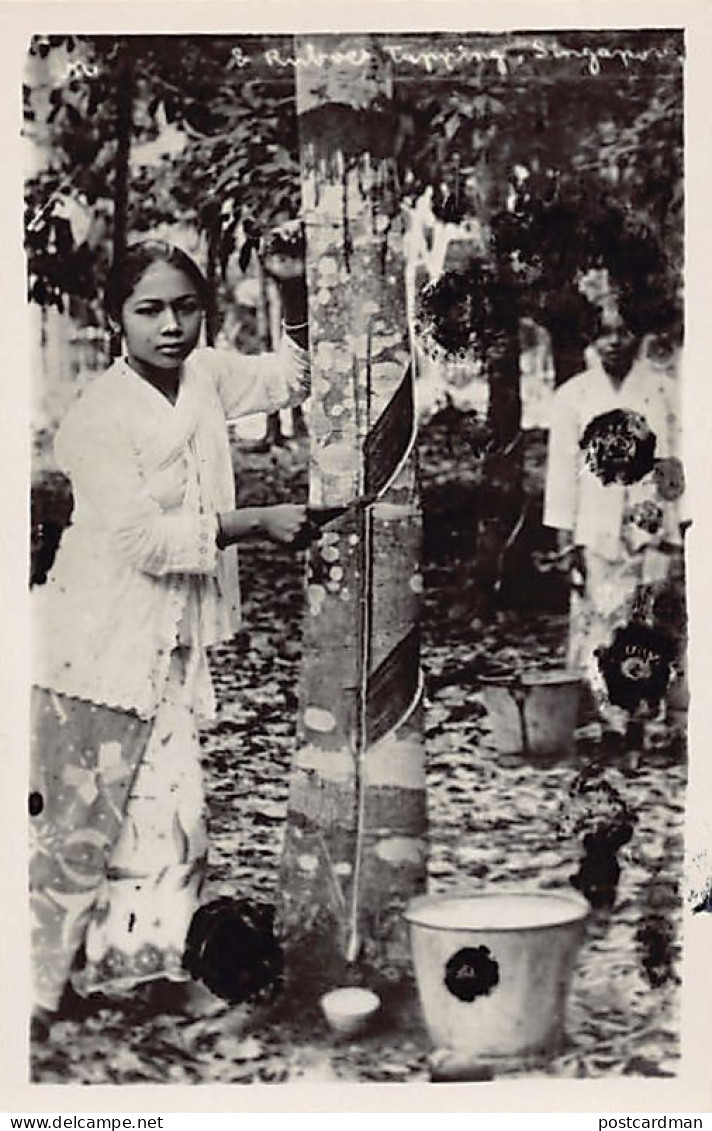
(355, 843)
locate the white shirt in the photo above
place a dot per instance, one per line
(138, 567)
(575, 498)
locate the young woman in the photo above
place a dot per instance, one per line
(144, 581)
(613, 489)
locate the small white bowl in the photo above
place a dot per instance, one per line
(349, 1008)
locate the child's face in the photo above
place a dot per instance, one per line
(161, 318)
(616, 345)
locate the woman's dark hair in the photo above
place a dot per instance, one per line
(138, 257)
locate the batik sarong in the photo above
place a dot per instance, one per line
(119, 845)
(83, 760)
(616, 593)
(140, 919)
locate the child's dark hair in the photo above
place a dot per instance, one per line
(639, 270)
(138, 257)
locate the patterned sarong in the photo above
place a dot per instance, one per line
(616, 593)
(119, 846)
(84, 758)
(139, 924)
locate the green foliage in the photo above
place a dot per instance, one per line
(582, 136)
(539, 247)
(69, 107)
(239, 159)
(565, 170)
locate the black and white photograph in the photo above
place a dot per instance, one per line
(360, 525)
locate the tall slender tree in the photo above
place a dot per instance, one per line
(126, 77)
(355, 845)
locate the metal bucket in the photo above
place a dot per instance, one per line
(493, 974)
(533, 712)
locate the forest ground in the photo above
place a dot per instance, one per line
(495, 821)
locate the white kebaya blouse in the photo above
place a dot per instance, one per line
(576, 498)
(138, 571)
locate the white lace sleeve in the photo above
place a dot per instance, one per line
(99, 458)
(262, 382)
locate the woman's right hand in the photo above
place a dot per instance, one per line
(285, 522)
(573, 558)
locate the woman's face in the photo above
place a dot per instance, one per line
(161, 318)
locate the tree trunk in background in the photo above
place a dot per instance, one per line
(299, 424)
(502, 496)
(355, 844)
(567, 355)
(212, 222)
(273, 427)
(124, 126)
(274, 434)
(502, 493)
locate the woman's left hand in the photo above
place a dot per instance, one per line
(283, 252)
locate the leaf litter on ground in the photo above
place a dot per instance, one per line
(493, 822)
